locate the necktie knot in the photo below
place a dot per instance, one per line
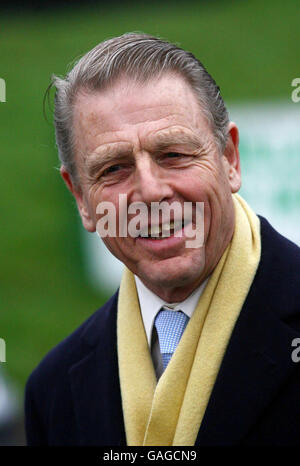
(170, 326)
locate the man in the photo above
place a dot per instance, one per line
(196, 346)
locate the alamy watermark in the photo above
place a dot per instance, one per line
(158, 221)
(2, 90)
(2, 350)
(296, 92)
(296, 352)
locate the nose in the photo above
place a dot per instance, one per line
(151, 183)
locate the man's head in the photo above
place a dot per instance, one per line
(141, 117)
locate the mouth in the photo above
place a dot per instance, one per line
(164, 230)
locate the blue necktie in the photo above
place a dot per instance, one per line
(170, 326)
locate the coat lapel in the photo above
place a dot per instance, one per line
(256, 363)
(258, 360)
(95, 383)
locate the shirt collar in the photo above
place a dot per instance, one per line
(150, 304)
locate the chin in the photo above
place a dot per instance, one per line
(173, 273)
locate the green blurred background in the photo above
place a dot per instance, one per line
(251, 49)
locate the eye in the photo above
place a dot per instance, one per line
(111, 169)
(173, 155)
(175, 160)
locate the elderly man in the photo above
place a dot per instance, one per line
(196, 346)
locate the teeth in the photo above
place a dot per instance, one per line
(167, 227)
(178, 225)
(154, 230)
(162, 231)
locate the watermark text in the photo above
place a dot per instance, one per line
(296, 352)
(157, 456)
(158, 221)
(2, 350)
(296, 92)
(2, 90)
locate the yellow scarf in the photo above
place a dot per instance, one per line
(170, 412)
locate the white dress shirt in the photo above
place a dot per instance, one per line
(151, 304)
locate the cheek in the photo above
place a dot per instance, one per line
(99, 200)
(197, 188)
(212, 188)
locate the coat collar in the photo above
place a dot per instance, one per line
(258, 357)
(256, 363)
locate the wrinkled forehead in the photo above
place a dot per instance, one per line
(129, 110)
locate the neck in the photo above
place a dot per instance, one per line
(174, 294)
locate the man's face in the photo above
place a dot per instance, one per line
(153, 143)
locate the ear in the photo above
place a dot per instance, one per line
(81, 202)
(231, 158)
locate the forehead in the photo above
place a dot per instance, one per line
(129, 111)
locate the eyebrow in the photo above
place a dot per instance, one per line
(157, 141)
(163, 139)
(107, 153)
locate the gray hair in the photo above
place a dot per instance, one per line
(141, 57)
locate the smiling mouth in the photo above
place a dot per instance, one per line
(162, 231)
